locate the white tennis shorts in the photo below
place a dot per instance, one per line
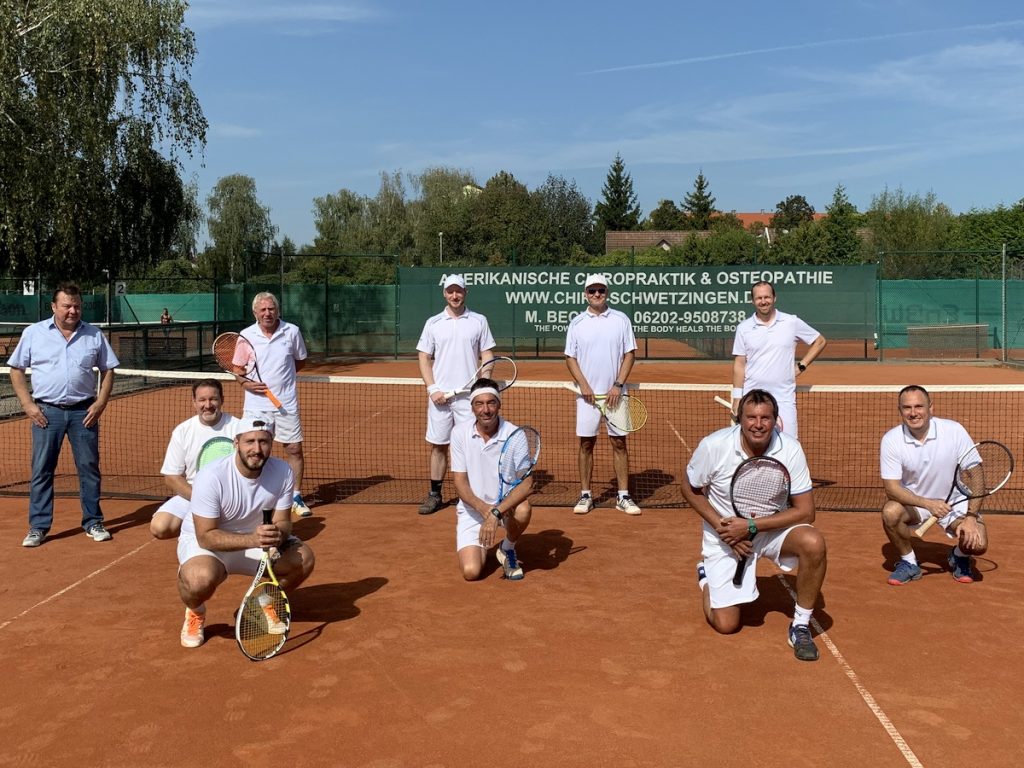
(441, 419)
(588, 420)
(720, 567)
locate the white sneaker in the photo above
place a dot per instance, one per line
(300, 508)
(584, 505)
(627, 505)
(192, 630)
(98, 533)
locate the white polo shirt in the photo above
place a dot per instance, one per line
(186, 441)
(598, 343)
(455, 342)
(478, 458)
(925, 468)
(770, 352)
(221, 492)
(715, 461)
(276, 358)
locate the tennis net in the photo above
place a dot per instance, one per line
(364, 440)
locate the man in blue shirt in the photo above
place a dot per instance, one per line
(62, 353)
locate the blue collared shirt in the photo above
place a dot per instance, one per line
(62, 369)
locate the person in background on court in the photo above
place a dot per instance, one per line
(764, 352)
(454, 343)
(225, 534)
(787, 537)
(599, 351)
(180, 461)
(62, 352)
(280, 355)
(476, 447)
(165, 318)
(918, 461)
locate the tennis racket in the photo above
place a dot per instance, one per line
(518, 457)
(760, 487)
(628, 415)
(235, 354)
(501, 370)
(213, 449)
(981, 471)
(728, 406)
(264, 617)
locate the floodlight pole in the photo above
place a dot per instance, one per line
(440, 247)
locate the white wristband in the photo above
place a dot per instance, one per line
(737, 393)
(432, 389)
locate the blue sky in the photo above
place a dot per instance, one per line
(769, 100)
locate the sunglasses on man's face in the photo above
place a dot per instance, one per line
(597, 290)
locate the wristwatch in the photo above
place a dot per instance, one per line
(802, 367)
(752, 528)
(618, 384)
(497, 513)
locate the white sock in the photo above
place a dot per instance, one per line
(959, 552)
(507, 545)
(910, 557)
(585, 492)
(801, 616)
(623, 494)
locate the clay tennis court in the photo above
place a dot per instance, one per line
(599, 657)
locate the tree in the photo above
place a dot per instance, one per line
(503, 220)
(666, 216)
(239, 225)
(791, 213)
(88, 90)
(699, 206)
(617, 211)
(843, 241)
(912, 227)
(562, 221)
(447, 197)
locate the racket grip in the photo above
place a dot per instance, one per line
(268, 516)
(922, 529)
(741, 566)
(272, 398)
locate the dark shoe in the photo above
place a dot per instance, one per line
(960, 565)
(431, 504)
(905, 572)
(802, 643)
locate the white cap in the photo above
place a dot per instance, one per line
(249, 424)
(451, 280)
(596, 279)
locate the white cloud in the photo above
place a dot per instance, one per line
(216, 13)
(231, 131)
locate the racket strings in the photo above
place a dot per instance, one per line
(501, 370)
(519, 454)
(760, 490)
(989, 469)
(225, 349)
(629, 414)
(261, 618)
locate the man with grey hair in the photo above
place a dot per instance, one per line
(281, 354)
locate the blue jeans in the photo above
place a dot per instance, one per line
(46, 445)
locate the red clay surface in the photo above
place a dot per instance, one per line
(599, 657)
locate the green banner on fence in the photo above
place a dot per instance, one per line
(696, 302)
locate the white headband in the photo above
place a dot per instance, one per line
(485, 391)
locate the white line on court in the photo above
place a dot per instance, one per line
(68, 588)
(676, 431)
(364, 421)
(865, 694)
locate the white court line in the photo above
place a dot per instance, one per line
(681, 440)
(865, 694)
(68, 588)
(344, 432)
